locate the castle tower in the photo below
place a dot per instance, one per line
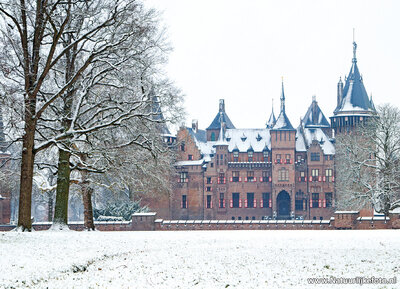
(221, 118)
(283, 145)
(353, 105)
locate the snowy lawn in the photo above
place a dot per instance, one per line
(199, 259)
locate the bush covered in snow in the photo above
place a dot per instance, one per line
(121, 209)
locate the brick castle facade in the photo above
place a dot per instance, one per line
(276, 172)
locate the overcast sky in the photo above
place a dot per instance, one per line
(240, 50)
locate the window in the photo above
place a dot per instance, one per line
(221, 200)
(208, 202)
(250, 200)
(283, 175)
(235, 176)
(250, 176)
(183, 177)
(184, 202)
(239, 218)
(235, 200)
(265, 155)
(265, 176)
(183, 147)
(299, 158)
(212, 165)
(235, 156)
(278, 158)
(190, 157)
(250, 156)
(209, 180)
(328, 200)
(221, 178)
(315, 157)
(253, 218)
(299, 205)
(302, 176)
(247, 217)
(213, 136)
(208, 189)
(265, 200)
(288, 159)
(315, 200)
(233, 218)
(328, 175)
(315, 174)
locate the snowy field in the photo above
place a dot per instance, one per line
(196, 259)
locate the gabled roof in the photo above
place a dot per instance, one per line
(282, 122)
(355, 96)
(221, 116)
(314, 116)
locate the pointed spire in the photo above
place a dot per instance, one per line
(272, 119)
(354, 52)
(282, 98)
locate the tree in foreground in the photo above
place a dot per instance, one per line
(64, 74)
(368, 164)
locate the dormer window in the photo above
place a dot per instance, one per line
(250, 156)
(228, 139)
(265, 155)
(235, 156)
(243, 138)
(258, 138)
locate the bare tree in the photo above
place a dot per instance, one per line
(368, 163)
(65, 67)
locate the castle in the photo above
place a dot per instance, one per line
(276, 172)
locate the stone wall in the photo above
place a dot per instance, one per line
(343, 220)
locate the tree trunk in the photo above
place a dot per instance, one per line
(25, 192)
(62, 191)
(87, 206)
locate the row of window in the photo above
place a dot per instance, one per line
(265, 202)
(283, 175)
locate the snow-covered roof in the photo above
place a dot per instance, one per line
(244, 139)
(300, 142)
(190, 163)
(355, 96)
(216, 123)
(314, 116)
(317, 134)
(282, 122)
(271, 121)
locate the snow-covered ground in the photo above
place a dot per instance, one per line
(199, 259)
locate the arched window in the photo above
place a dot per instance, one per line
(213, 136)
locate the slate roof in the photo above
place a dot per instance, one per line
(355, 96)
(282, 122)
(314, 116)
(221, 117)
(272, 119)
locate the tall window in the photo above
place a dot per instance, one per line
(302, 176)
(235, 200)
(328, 200)
(288, 158)
(235, 156)
(190, 157)
(278, 158)
(299, 205)
(265, 176)
(221, 178)
(315, 157)
(315, 174)
(183, 177)
(265, 155)
(221, 200)
(209, 180)
(235, 176)
(250, 200)
(315, 200)
(184, 202)
(328, 175)
(250, 156)
(283, 175)
(183, 147)
(250, 176)
(213, 136)
(209, 202)
(265, 200)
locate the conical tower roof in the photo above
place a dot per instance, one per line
(282, 122)
(314, 116)
(221, 117)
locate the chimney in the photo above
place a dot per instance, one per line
(195, 125)
(221, 105)
(339, 92)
